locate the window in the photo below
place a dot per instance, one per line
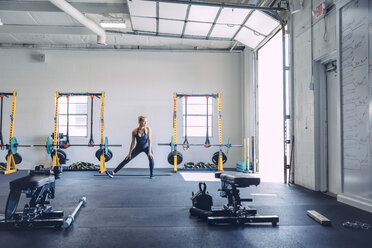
(197, 116)
(78, 115)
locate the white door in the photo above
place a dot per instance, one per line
(334, 139)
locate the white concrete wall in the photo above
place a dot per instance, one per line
(312, 39)
(135, 82)
(324, 37)
(356, 54)
(314, 42)
(303, 99)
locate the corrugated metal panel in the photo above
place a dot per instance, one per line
(144, 24)
(262, 23)
(233, 16)
(224, 31)
(203, 13)
(172, 11)
(170, 27)
(142, 8)
(198, 29)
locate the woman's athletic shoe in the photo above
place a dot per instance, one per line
(109, 174)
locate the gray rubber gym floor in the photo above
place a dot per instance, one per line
(135, 211)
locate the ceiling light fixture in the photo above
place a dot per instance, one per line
(113, 24)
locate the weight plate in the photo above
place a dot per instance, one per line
(171, 158)
(215, 158)
(62, 157)
(106, 145)
(49, 145)
(172, 145)
(13, 145)
(108, 156)
(17, 158)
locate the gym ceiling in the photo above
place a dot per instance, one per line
(158, 25)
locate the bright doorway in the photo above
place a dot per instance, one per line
(270, 110)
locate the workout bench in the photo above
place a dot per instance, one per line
(39, 185)
(233, 212)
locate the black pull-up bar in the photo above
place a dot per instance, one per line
(5, 94)
(81, 94)
(197, 95)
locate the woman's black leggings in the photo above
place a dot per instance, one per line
(137, 150)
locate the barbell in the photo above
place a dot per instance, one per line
(49, 145)
(13, 148)
(179, 155)
(103, 147)
(172, 145)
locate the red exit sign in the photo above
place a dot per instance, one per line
(319, 10)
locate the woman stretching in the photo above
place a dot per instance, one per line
(142, 136)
